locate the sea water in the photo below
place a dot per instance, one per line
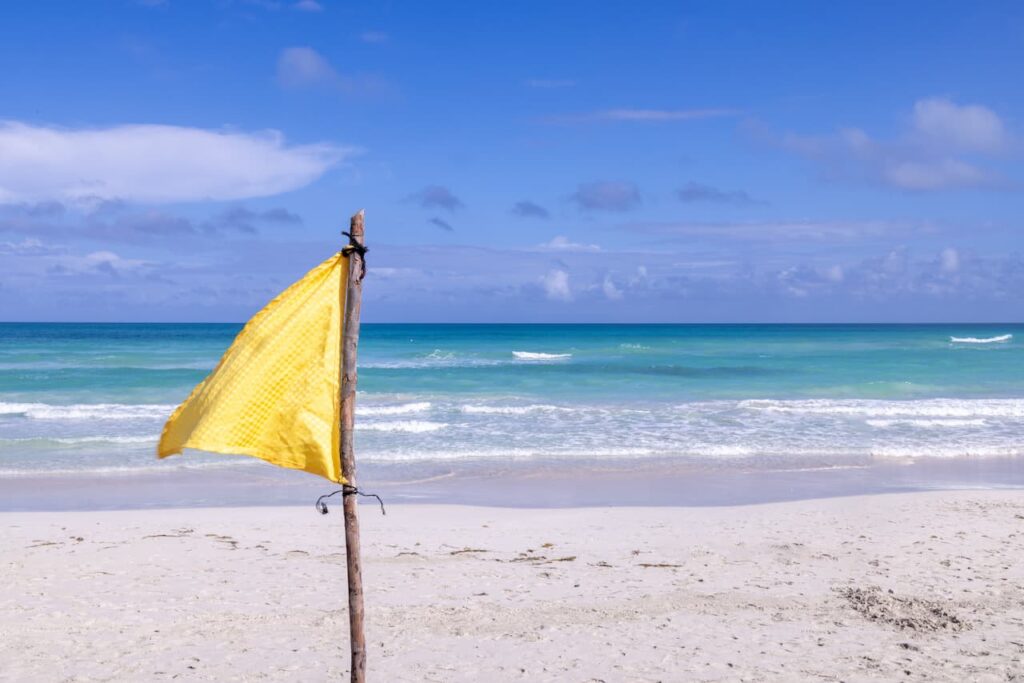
(90, 399)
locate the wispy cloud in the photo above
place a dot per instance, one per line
(28, 246)
(944, 147)
(562, 243)
(436, 197)
(696, 192)
(303, 67)
(775, 231)
(549, 83)
(527, 209)
(153, 164)
(308, 6)
(642, 115)
(607, 196)
(299, 67)
(374, 37)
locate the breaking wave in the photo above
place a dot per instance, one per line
(950, 422)
(511, 410)
(532, 355)
(986, 340)
(926, 408)
(412, 426)
(405, 408)
(87, 411)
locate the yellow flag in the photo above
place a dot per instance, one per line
(274, 394)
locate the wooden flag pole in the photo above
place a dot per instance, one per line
(350, 343)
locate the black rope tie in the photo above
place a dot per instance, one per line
(355, 247)
(346, 490)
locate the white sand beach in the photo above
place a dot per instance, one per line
(922, 586)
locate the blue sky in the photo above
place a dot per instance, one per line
(521, 162)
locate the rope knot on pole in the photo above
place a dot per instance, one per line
(355, 246)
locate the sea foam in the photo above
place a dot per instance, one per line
(928, 408)
(925, 423)
(413, 426)
(511, 410)
(535, 356)
(986, 340)
(87, 411)
(403, 409)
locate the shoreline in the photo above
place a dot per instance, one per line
(533, 484)
(918, 586)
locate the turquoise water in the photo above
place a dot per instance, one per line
(80, 398)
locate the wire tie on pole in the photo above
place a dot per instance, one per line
(346, 490)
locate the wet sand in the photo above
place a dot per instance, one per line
(513, 483)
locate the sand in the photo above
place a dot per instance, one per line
(922, 586)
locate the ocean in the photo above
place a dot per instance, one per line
(88, 400)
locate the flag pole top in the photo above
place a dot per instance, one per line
(356, 225)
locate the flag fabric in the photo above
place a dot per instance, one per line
(275, 393)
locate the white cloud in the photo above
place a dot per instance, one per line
(556, 285)
(28, 245)
(969, 127)
(374, 37)
(103, 262)
(611, 292)
(950, 260)
(308, 6)
(927, 156)
(561, 243)
(153, 164)
(932, 175)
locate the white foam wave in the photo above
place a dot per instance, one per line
(949, 422)
(72, 441)
(404, 409)
(721, 450)
(504, 454)
(926, 408)
(162, 466)
(412, 426)
(986, 340)
(511, 410)
(87, 411)
(536, 356)
(951, 451)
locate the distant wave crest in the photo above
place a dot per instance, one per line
(982, 340)
(532, 355)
